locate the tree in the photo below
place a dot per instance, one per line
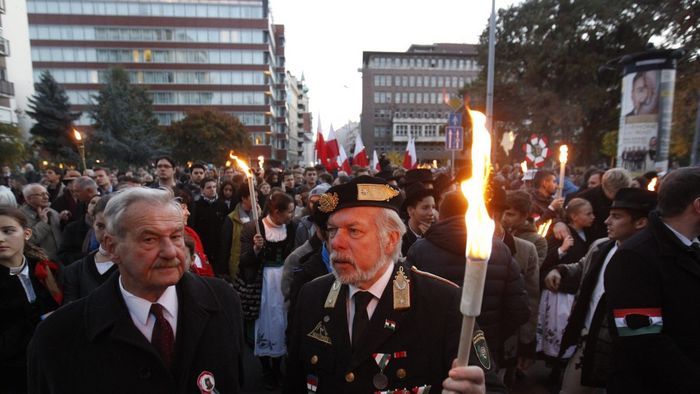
(50, 108)
(12, 145)
(548, 54)
(125, 132)
(207, 135)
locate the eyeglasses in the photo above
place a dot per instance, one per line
(164, 166)
(44, 194)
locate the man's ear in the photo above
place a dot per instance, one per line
(640, 223)
(394, 238)
(109, 243)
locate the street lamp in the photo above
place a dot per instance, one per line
(81, 146)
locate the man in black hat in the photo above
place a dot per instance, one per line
(652, 288)
(422, 175)
(376, 324)
(588, 327)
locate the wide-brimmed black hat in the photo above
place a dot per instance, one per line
(415, 193)
(635, 199)
(418, 175)
(363, 191)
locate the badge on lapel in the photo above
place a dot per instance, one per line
(206, 383)
(320, 333)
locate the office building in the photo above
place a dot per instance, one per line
(403, 93)
(189, 54)
(299, 119)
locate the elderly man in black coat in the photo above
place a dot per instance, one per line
(376, 324)
(652, 286)
(151, 329)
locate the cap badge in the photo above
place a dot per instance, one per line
(375, 192)
(328, 202)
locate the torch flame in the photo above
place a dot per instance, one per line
(479, 224)
(241, 164)
(261, 161)
(77, 135)
(652, 184)
(543, 228)
(563, 153)
(523, 166)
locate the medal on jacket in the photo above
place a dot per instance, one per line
(380, 381)
(402, 291)
(332, 295)
(206, 382)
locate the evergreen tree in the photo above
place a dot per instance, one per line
(12, 146)
(50, 108)
(207, 135)
(125, 131)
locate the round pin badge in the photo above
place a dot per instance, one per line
(206, 382)
(380, 381)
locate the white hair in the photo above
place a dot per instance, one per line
(387, 222)
(27, 190)
(7, 198)
(120, 202)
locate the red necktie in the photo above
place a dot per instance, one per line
(163, 339)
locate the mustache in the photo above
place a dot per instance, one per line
(172, 263)
(340, 258)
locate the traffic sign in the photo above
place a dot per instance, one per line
(454, 138)
(454, 120)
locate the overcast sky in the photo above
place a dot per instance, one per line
(325, 40)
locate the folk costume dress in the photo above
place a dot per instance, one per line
(271, 324)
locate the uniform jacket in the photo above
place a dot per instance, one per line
(596, 356)
(82, 277)
(656, 272)
(92, 345)
(422, 339)
(505, 305)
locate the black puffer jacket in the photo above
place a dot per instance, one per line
(505, 303)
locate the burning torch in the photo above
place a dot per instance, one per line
(251, 187)
(81, 146)
(480, 228)
(563, 157)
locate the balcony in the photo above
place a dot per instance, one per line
(7, 88)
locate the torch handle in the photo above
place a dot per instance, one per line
(465, 340)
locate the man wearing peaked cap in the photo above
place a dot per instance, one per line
(587, 370)
(376, 324)
(652, 288)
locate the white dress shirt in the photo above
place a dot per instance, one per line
(140, 310)
(22, 274)
(376, 289)
(680, 236)
(599, 289)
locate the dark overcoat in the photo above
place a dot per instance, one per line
(92, 345)
(654, 273)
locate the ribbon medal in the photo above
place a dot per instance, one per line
(380, 380)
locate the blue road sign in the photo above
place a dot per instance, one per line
(455, 120)
(454, 138)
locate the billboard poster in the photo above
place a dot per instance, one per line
(645, 116)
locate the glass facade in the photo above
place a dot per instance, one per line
(85, 97)
(67, 75)
(133, 8)
(165, 34)
(138, 55)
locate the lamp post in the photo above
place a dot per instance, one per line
(81, 147)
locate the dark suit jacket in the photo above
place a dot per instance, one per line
(82, 278)
(92, 345)
(429, 336)
(654, 270)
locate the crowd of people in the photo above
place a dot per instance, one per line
(157, 280)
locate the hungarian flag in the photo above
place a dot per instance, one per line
(375, 161)
(359, 157)
(342, 161)
(320, 145)
(410, 159)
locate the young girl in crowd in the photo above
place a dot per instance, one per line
(555, 303)
(29, 292)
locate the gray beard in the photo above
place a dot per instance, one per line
(359, 275)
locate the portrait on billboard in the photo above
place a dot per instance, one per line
(640, 97)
